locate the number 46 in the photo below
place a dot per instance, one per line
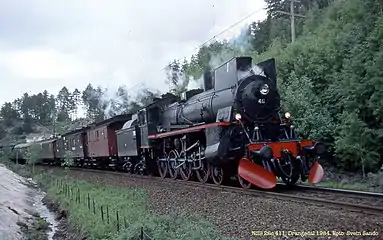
(261, 101)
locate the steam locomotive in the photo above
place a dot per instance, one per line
(232, 128)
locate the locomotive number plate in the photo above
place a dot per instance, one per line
(261, 101)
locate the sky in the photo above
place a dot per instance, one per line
(48, 44)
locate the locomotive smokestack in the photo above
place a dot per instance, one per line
(208, 80)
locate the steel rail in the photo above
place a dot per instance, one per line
(363, 208)
(343, 191)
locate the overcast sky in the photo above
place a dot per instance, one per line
(48, 44)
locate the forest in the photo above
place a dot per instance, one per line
(60, 113)
(330, 79)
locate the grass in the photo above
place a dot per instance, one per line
(37, 230)
(347, 186)
(131, 206)
(369, 184)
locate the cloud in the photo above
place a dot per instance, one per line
(48, 44)
(41, 64)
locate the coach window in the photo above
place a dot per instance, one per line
(102, 133)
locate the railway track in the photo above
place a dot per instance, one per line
(348, 200)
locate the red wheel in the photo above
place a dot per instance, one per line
(217, 175)
(172, 160)
(204, 172)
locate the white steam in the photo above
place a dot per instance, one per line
(254, 70)
(115, 101)
(195, 83)
(242, 43)
(237, 46)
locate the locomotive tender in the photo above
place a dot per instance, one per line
(230, 129)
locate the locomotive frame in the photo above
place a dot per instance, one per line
(231, 129)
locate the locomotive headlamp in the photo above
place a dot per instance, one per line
(287, 115)
(238, 116)
(264, 89)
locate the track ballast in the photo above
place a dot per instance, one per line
(356, 201)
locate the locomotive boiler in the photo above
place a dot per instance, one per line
(235, 85)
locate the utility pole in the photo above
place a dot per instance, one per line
(292, 21)
(292, 15)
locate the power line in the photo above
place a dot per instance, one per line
(225, 30)
(220, 33)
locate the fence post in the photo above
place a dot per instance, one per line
(107, 213)
(142, 233)
(118, 221)
(94, 207)
(102, 214)
(88, 202)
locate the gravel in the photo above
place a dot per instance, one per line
(241, 215)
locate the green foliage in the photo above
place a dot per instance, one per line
(334, 69)
(68, 160)
(132, 204)
(330, 78)
(3, 132)
(9, 114)
(33, 155)
(57, 113)
(310, 117)
(18, 130)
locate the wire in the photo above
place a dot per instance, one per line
(220, 33)
(227, 29)
(223, 31)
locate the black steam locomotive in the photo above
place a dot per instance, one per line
(231, 128)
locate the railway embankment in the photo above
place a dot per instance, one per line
(240, 215)
(22, 212)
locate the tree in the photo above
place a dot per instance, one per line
(48, 108)
(92, 101)
(68, 161)
(177, 78)
(33, 155)
(76, 100)
(118, 102)
(64, 104)
(3, 133)
(9, 114)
